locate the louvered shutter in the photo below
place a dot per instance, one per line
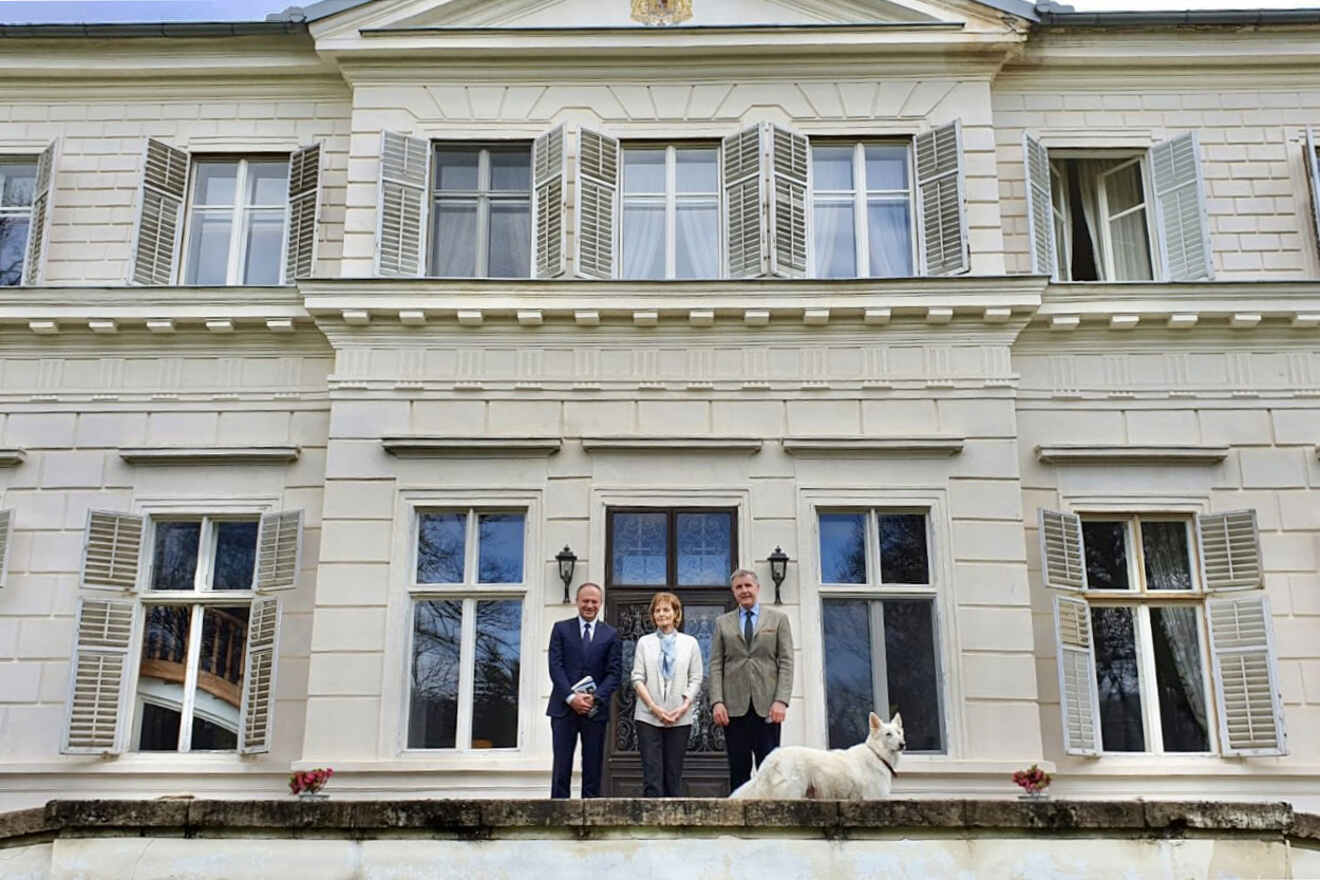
(1313, 172)
(6, 541)
(1040, 206)
(160, 213)
(279, 550)
(257, 715)
(1078, 699)
(401, 209)
(940, 200)
(1062, 560)
(304, 203)
(549, 171)
(1180, 205)
(112, 550)
(744, 212)
(1230, 550)
(790, 158)
(1246, 678)
(96, 682)
(597, 198)
(39, 228)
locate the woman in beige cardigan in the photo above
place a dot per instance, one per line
(666, 674)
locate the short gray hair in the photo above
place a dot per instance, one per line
(739, 572)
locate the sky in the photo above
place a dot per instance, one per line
(62, 11)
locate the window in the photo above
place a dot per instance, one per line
(482, 209)
(236, 221)
(671, 212)
(879, 625)
(1101, 221)
(657, 547)
(18, 179)
(862, 210)
(466, 654)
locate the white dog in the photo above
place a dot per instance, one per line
(863, 772)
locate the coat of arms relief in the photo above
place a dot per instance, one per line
(661, 12)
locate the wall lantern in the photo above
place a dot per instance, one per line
(567, 560)
(778, 569)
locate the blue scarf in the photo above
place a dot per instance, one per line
(667, 643)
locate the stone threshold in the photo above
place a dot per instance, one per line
(487, 819)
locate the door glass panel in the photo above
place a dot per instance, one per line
(162, 671)
(639, 548)
(1117, 679)
(903, 549)
(1106, 554)
(1164, 550)
(699, 622)
(433, 713)
(1179, 679)
(174, 560)
(496, 670)
(500, 548)
(440, 539)
(704, 546)
(843, 548)
(849, 690)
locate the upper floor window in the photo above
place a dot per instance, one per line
(1101, 220)
(236, 221)
(482, 211)
(18, 177)
(862, 210)
(670, 212)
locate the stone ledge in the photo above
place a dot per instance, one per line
(480, 819)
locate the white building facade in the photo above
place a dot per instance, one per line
(323, 337)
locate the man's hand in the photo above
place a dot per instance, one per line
(777, 712)
(721, 714)
(582, 703)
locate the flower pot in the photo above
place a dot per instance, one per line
(1034, 796)
(312, 796)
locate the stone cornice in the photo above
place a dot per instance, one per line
(203, 455)
(1163, 455)
(12, 457)
(437, 446)
(627, 443)
(1180, 306)
(52, 310)
(907, 447)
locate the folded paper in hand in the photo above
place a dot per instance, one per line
(587, 685)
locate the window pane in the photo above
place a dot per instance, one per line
(455, 239)
(511, 170)
(500, 548)
(208, 248)
(18, 183)
(697, 171)
(440, 547)
(697, 249)
(433, 714)
(1164, 550)
(1131, 247)
(13, 249)
(849, 687)
(832, 168)
(886, 168)
(1178, 679)
(1123, 189)
(235, 555)
(498, 661)
(510, 240)
(705, 548)
(265, 248)
(903, 549)
(162, 671)
(638, 550)
(889, 239)
(643, 170)
(268, 183)
(643, 241)
(174, 559)
(836, 254)
(910, 671)
(1117, 680)
(214, 182)
(456, 169)
(843, 548)
(1106, 554)
(220, 677)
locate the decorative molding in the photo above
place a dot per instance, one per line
(192, 455)
(1092, 453)
(616, 443)
(12, 457)
(934, 446)
(442, 446)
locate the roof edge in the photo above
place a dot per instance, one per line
(161, 29)
(1173, 18)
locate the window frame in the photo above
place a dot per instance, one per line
(860, 197)
(671, 544)
(670, 199)
(22, 210)
(240, 218)
(483, 196)
(1123, 160)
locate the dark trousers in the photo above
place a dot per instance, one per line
(663, 750)
(564, 736)
(748, 735)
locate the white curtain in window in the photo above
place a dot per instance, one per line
(455, 244)
(697, 248)
(644, 241)
(836, 246)
(1128, 233)
(1181, 630)
(889, 239)
(1088, 174)
(510, 240)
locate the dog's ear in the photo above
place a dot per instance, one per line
(897, 720)
(875, 722)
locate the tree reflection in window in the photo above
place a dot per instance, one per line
(174, 560)
(433, 717)
(498, 661)
(1106, 554)
(440, 538)
(1118, 681)
(1164, 549)
(843, 548)
(500, 548)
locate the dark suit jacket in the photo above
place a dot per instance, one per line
(570, 660)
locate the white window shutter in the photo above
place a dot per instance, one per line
(6, 541)
(279, 550)
(401, 207)
(1175, 167)
(1062, 557)
(1313, 173)
(96, 682)
(549, 173)
(789, 211)
(1040, 206)
(596, 203)
(112, 550)
(304, 205)
(160, 213)
(39, 228)
(1246, 677)
(745, 221)
(1229, 546)
(940, 200)
(1078, 699)
(257, 715)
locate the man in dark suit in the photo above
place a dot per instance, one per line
(581, 646)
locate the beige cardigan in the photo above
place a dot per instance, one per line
(686, 681)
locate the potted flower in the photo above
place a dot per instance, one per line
(307, 784)
(1034, 781)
